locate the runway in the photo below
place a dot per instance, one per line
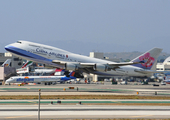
(85, 89)
(82, 111)
(104, 101)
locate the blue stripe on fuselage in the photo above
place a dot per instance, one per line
(25, 53)
(65, 78)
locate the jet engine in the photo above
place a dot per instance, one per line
(100, 67)
(71, 66)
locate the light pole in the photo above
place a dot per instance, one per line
(39, 104)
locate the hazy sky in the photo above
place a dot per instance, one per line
(82, 26)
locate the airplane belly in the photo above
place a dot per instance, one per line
(121, 73)
(137, 74)
(39, 61)
(108, 73)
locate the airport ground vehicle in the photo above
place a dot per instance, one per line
(155, 85)
(123, 83)
(163, 83)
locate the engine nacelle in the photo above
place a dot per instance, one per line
(71, 66)
(101, 67)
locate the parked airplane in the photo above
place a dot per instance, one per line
(36, 79)
(139, 67)
(40, 69)
(44, 71)
(37, 70)
(6, 63)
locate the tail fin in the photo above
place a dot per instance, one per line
(6, 63)
(69, 77)
(149, 58)
(72, 75)
(58, 71)
(28, 63)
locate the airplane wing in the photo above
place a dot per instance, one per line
(95, 66)
(124, 63)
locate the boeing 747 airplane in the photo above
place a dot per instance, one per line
(139, 67)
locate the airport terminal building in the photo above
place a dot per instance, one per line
(6, 72)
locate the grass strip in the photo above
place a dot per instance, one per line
(22, 97)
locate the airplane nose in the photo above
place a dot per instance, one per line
(10, 48)
(6, 82)
(7, 47)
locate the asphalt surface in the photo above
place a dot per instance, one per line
(86, 89)
(82, 111)
(58, 111)
(82, 101)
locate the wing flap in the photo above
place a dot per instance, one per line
(124, 63)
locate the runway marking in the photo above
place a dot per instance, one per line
(141, 116)
(19, 116)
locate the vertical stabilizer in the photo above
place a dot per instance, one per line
(27, 64)
(6, 63)
(72, 75)
(149, 58)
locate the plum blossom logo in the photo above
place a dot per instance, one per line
(148, 60)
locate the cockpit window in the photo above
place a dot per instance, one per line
(18, 42)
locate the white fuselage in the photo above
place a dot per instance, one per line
(33, 79)
(45, 54)
(47, 71)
